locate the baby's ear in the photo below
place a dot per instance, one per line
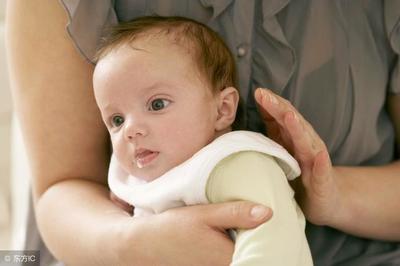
(227, 106)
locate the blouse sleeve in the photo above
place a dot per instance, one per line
(86, 21)
(392, 25)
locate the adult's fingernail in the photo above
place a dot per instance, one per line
(259, 211)
(273, 99)
(294, 116)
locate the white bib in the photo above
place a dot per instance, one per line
(186, 183)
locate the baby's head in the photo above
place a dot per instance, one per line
(166, 87)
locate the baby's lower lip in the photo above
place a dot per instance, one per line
(143, 161)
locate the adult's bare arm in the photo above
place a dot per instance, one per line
(61, 127)
(68, 152)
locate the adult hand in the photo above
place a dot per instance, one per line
(317, 192)
(193, 235)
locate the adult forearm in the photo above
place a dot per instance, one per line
(370, 201)
(79, 224)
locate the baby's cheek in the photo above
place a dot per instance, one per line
(123, 158)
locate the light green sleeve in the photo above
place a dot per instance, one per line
(257, 177)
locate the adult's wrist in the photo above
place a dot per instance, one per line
(343, 213)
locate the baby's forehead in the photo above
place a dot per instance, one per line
(174, 40)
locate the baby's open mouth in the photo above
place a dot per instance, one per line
(144, 157)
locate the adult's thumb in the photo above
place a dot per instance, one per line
(236, 214)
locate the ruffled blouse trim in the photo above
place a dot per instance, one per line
(392, 24)
(86, 22)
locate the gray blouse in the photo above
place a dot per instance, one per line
(336, 61)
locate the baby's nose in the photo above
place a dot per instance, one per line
(134, 130)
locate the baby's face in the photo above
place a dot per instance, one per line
(156, 107)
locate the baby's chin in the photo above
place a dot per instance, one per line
(148, 175)
(152, 172)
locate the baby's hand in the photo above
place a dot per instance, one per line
(120, 203)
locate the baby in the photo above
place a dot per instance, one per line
(166, 89)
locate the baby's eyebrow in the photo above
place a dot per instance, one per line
(108, 108)
(156, 85)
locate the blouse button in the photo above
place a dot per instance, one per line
(241, 50)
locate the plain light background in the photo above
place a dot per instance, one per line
(14, 173)
(5, 123)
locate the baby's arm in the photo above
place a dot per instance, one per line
(257, 177)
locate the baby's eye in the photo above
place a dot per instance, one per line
(117, 120)
(158, 104)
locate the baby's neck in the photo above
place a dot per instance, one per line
(222, 132)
